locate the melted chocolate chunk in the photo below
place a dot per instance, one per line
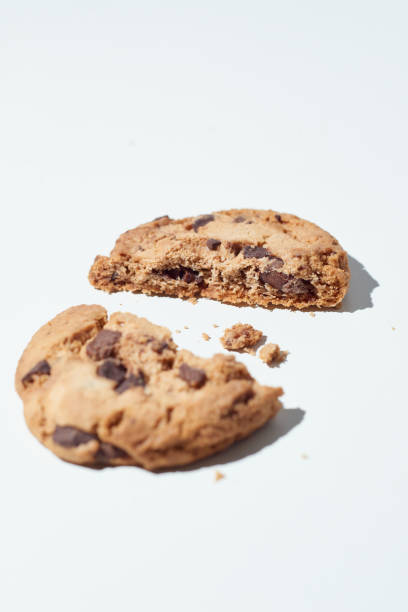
(158, 346)
(297, 286)
(278, 218)
(239, 219)
(273, 278)
(286, 282)
(256, 251)
(69, 437)
(131, 381)
(107, 451)
(260, 252)
(213, 244)
(112, 369)
(103, 345)
(193, 376)
(188, 275)
(40, 368)
(235, 247)
(202, 221)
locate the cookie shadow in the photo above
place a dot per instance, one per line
(282, 424)
(362, 285)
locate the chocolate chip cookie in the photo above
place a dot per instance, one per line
(117, 391)
(253, 257)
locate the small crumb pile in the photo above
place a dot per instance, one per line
(241, 337)
(218, 476)
(272, 355)
(205, 336)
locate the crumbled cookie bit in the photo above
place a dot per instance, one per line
(241, 337)
(178, 331)
(186, 327)
(215, 325)
(272, 355)
(192, 300)
(393, 328)
(206, 336)
(218, 476)
(312, 314)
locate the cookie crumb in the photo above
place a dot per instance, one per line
(192, 300)
(241, 337)
(178, 331)
(393, 328)
(304, 456)
(205, 336)
(218, 476)
(272, 355)
(186, 327)
(312, 314)
(215, 325)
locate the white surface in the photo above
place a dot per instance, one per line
(113, 113)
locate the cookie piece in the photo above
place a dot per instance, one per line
(240, 336)
(117, 391)
(272, 355)
(253, 257)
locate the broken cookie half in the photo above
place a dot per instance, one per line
(103, 391)
(253, 257)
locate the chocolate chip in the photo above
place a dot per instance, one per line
(202, 221)
(188, 275)
(131, 381)
(286, 282)
(259, 252)
(112, 369)
(278, 218)
(239, 219)
(103, 345)
(69, 437)
(193, 376)
(107, 451)
(40, 368)
(273, 278)
(174, 273)
(255, 251)
(298, 285)
(235, 247)
(158, 346)
(213, 243)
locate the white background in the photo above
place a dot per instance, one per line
(115, 112)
